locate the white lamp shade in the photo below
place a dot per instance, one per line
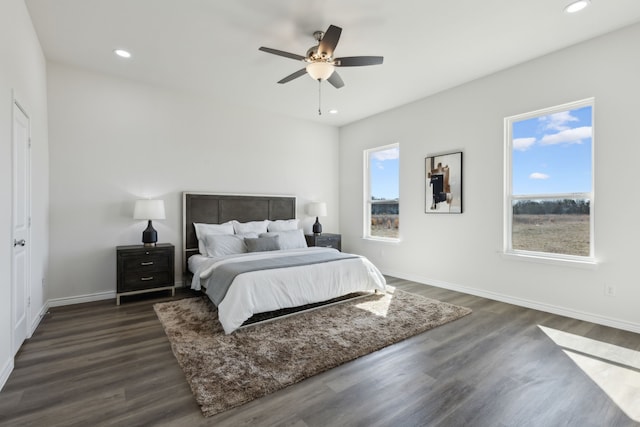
(320, 70)
(149, 209)
(317, 209)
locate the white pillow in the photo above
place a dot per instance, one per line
(224, 244)
(204, 229)
(248, 235)
(283, 225)
(290, 239)
(250, 227)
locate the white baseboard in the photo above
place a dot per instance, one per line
(548, 308)
(78, 299)
(6, 371)
(36, 321)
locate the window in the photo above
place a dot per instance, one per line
(381, 192)
(549, 182)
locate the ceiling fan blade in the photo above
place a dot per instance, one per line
(329, 41)
(358, 61)
(282, 53)
(335, 80)
(295, 75)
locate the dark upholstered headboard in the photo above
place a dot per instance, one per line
(219, 208)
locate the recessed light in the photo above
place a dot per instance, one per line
(122, 53)
(576, 6)
(333, 111)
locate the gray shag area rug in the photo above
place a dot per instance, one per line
(225, 371)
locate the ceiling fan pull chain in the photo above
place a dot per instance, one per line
(319, 97)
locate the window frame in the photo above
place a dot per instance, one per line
(366, 194)
(509, 198)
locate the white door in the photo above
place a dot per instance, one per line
(20, 289)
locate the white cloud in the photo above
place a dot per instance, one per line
(568, 136)
(557, 121)
(538, 175)
(390, 154)
(523, 144)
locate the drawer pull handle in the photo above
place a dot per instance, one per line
(146, 278)
(147, 263)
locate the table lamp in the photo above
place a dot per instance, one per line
(317, 209)
(149, 209)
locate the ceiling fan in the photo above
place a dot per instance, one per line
(320, 61)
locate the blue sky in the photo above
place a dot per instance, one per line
(384, 170)
(552, 153)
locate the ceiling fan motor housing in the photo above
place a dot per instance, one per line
(312, 52)
(313, 55)
(320, 58)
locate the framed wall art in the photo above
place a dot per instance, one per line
(443, 183)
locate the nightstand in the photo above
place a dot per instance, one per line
(326, 240)
(145, 269)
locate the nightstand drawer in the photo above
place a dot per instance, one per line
(134, 281)
(145, 263)
(326, 240)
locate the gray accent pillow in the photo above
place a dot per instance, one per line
(263, 244)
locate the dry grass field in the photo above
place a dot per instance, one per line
(562, 234)
(385, 225)
(565, 234)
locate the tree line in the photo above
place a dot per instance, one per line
(556, 207)
(384, 206)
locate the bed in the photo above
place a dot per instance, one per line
(249, 255)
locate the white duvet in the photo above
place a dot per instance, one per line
(269, 290)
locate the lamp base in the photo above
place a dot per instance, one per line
(317, 227)
(149, 235)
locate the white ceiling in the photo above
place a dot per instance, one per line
(211, 46)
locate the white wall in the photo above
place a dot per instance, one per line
(23, 72)
(464, 251)
(113, 141)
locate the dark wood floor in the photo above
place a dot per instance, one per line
(98, 364)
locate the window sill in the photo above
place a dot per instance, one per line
(590, 264)
(386, 240)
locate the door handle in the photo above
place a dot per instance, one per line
(19, 242)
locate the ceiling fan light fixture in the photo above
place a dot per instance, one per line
(320, 70)
(576, 6)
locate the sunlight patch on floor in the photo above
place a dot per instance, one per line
(379, 307)
(615, 369)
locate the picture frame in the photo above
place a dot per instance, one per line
(443, 183)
